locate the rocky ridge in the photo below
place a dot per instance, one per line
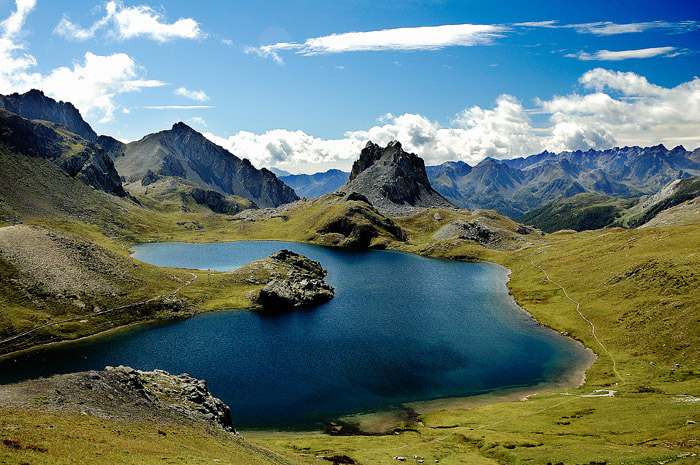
(75, 156)
(394, 181)
(186, 153)
(123, 393)
(35, 105)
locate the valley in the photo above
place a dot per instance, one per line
(614, 268)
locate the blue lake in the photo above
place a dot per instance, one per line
(401, 328)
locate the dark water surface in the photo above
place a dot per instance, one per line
(401, 328)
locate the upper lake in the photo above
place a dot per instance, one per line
(401, 328)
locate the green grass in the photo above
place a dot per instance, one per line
(44, 438)
(640, 288)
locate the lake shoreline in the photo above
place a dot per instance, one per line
(367, 423)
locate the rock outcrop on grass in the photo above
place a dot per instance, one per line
(123, 393)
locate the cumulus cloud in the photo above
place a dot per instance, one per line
(614, 108)
(123, 23)
(607, 55)
(409, 38)
(198, 95)
(91, 85)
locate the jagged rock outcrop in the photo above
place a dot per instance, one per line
(300, 285)
(124, 393)
(394, 181)
(184, 152)
(35, 105)
(76, 156)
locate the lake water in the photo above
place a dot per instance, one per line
(401, 328)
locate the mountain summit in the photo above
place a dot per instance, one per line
(35, 105)
(393, 180)
(186, 153)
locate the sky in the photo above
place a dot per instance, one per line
(303, 85)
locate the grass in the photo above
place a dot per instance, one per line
(640, 288)
(44, 438)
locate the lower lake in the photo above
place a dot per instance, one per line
(401, 328)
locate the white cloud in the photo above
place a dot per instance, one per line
(91, 85)
(198, 95)
(123, 23)
(615, 108)
(607, 55)
(629, 83)
(198, 120)
(409, 38)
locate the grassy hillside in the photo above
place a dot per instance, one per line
(589, 211)
(580, 212)
(39, 438)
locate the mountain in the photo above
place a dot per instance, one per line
(394, 181)
(74, 155)
(315, 185)
(35, 105)
(184, 152)
(519, 185)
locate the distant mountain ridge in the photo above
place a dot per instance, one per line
(519, 185)
(315, 185)
(393, 180)
(186, 153)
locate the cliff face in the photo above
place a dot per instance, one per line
(35, 105)
(76, 156)
(184, 152)
(394, 181)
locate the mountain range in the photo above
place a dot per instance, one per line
(182, 167)
(37, 125)
(314, 185)
(519, 185)
(187, 154)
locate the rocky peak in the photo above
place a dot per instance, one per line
(34, 104)
(181, 127)
(77, 157)
(393, 180)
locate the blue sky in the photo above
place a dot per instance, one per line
(285, 84)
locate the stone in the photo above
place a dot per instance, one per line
(302, 286)
(393, 181)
